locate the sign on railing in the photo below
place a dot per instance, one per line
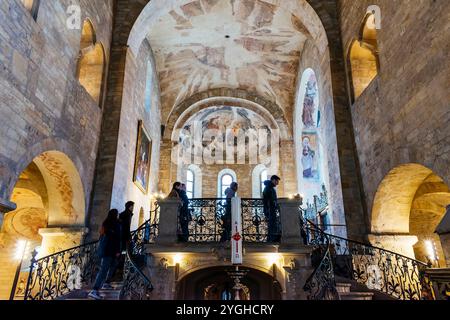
(236, 229)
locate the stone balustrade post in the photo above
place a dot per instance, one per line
(290, 221)
(168, 221)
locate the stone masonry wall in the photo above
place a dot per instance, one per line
(403, 116)
(42, 105)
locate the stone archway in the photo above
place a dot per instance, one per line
(210, 284)
(50, 214)
(408, 206)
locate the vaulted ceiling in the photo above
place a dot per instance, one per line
(254, 45)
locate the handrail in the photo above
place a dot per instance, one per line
(62, 272)
(321, 284)
(379, 269)
(375, 247)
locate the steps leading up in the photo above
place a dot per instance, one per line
(82, 294)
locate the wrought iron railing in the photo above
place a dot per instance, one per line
(136, 284)
(206, 223)
(208, 219)
(73, 269)
(255, 225)
(60, 273)
(321, 285)
(378, 269)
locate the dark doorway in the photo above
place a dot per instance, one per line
(215, 284)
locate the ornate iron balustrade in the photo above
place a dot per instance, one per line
(377, 268)
(321, 285)
(206, 223)
(59, 274)
(73, 269)
(255, 225)
(210, 216)
(136, 284)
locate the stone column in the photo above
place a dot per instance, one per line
(401, 244)
(57, 239)
(168, 222)
(290, 222)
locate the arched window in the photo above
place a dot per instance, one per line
(32, 6)
(225, 183)
(90, 70)
(226, 177)
(190, 184)
(262, 178)
(148, 88)
(363, 57)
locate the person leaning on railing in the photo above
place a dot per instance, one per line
(270, 201)
(109, 251)
(230, 193)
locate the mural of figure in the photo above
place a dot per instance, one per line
(308, 156)
(309, 104)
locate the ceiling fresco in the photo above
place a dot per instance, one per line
(246, 44)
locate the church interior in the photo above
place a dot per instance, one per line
(108, 101)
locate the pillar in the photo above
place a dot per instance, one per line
(401, 244)
(168, 221)
(290, 222)
(57, 239)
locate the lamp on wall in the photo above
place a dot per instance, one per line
(177, 259)
(19, 256)
(432, 252)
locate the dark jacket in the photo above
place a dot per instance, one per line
(270, 199)
(184, 211)
(110, 245)
(125, 223)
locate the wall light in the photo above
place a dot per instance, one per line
(20, 249)
(273, 258)
(177, 259)
(431, 250)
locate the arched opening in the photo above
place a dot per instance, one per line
(363, 57)
(225, 179)
(215, 284)
(91, 63)
(190, 183)
(408, 207)
(50, 216)
(259, 175)
(32, 6)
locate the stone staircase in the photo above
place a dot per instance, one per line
(345, 292)
(82, 294)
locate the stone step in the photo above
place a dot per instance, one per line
(343, 287)
(356, 296)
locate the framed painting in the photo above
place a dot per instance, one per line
(142, 159)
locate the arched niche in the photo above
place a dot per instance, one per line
(363, 57)
(50, 213)
(91, 63)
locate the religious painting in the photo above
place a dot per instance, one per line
(310, 156)
(310, 111)
(142, 159)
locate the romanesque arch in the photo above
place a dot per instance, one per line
(210, 284)
(50, 213)
(409, 204)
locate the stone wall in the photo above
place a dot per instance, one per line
(42, 105)
(403, 116)
(133, 110)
